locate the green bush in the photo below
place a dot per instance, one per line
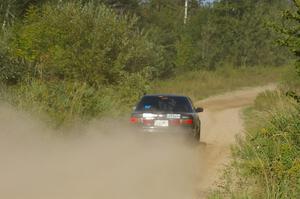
(266, 161)
(11, 69)
(87, 43)
(271, 153)
(76, 60)
(62, 102)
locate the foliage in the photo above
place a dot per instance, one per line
(74, 60)
(11, 10)
(203, 83)
(62, 102)
(235, 33)
(266, 161)
(289, 31)
(96, 46)
(54, 54)
(65, 102)
(11, 69)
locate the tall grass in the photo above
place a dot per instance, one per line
(267, 160)
(203, 83)
(65, 102)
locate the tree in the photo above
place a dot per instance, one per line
(86, 43)
(235, 33)
(290, 31)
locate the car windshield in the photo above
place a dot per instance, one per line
(164, 104)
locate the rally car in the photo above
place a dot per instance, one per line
(161, 113)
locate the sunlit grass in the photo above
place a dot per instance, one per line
(201, 84)
(266, 160)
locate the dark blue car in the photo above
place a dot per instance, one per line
(159, 113)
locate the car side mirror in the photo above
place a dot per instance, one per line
(199, 109)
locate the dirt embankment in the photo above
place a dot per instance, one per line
(111, 162)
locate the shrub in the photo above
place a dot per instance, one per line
(87, 43)
(271, 152)
(77, 60)
(266, 161)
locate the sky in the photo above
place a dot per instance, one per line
(209, 1)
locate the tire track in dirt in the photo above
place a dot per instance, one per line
(221, 123)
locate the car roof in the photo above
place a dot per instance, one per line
(165, 95)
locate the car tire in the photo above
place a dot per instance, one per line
(197, 134)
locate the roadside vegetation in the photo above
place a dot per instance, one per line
(81, 59)
(266, 161)
(204, 83)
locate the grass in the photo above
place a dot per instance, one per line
(63, 103)
(266, 161)
(290, 80)
(201, 84)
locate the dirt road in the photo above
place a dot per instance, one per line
(110, 162)
(221, 122)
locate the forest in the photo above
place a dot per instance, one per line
(84, 58)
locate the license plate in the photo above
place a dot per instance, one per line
(173, 116)
(163, 123)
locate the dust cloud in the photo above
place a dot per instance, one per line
(103, 160)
